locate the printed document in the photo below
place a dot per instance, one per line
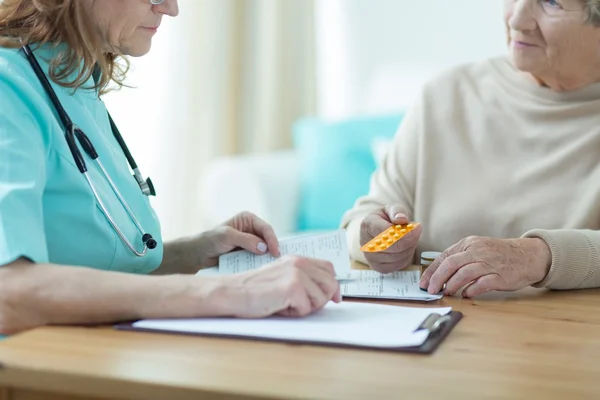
(400, 285)
(330, 246)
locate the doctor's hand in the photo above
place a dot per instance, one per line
(485, 264)
(399, 255)
(290, 286)
(244, 231)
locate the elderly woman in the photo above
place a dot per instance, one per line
(78, 238)
(499, 162)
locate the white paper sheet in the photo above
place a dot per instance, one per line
(330, 246)
(359, 324)
(401, 285)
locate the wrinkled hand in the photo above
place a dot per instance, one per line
(486, 264)
(244, 231)
(399, 255)
(291, 286)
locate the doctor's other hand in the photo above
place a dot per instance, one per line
(482, 264)
(399, 255)
(290, 286)
(243, 231)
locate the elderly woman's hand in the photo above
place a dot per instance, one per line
(486, 264)
(244, 231)
(400, 254)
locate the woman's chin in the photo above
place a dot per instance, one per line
(138, 50)
(525, 63)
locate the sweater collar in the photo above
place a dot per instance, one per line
(519, 80)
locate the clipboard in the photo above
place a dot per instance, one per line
(438, 326)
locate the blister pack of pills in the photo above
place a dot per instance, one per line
(387, 238)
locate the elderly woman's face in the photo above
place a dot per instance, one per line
(551, 38)
(127, 26)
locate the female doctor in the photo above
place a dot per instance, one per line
(79, 242)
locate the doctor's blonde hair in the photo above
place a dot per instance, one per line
(62, 21)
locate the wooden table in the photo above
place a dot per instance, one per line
(530, 344)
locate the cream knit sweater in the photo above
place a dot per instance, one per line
(487, 152)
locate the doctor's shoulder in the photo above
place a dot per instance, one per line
(16, 76)
(13, 64)
(21, 96)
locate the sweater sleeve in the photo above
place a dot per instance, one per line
(393, 183)
(575, 258)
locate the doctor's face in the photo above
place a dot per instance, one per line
(127, 26)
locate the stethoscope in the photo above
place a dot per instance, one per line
(73, 132)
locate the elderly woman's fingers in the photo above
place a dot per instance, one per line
(465, 276)
(448, 268)
(483, 284)
(396, 214)
(398, 255)
(371, 226)
(377, 222)
(433, 267)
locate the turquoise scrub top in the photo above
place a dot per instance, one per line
(48, 212)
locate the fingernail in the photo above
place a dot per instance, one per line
(399, 216)
(262, 247)
(423, 284)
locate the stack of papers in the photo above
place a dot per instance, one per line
(333, 247)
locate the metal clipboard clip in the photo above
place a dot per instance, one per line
(434, 323)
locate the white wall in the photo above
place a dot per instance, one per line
(161, 119)
(374, 55)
